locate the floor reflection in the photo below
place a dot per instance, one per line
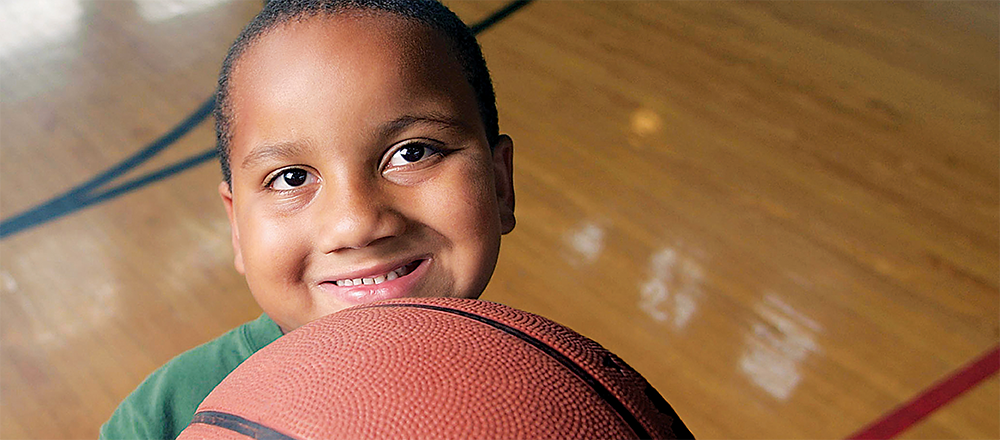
(166, 9)
(672, 291)
(29, 24)
(777, 345)
(584, 243)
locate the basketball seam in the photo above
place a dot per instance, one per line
(239, 425)
(588, 378)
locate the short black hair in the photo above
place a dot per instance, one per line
(428, 12)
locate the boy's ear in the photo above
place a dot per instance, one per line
(227, 201)
(503, 170)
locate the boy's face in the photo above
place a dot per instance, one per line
(361, 169)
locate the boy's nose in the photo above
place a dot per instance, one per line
(356, 215)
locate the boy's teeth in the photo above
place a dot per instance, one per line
(376, 280)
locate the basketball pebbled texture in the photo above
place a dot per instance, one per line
(434, 368)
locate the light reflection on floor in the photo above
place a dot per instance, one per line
(155, 11)
(584, 243)
(29, 24)
(777, 345)
(672, 291)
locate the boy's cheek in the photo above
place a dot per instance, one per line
(471, 210)
(268, 248)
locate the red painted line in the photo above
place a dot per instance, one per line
(933, 398)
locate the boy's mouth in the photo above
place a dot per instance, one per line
(381, 278)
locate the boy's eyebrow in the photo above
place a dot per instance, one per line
(281, 150)
(394, 126)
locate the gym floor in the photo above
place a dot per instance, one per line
(784, 214)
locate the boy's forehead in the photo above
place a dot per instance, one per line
(303, 66)
(343, 41)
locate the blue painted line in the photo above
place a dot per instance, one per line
(498, 16)
(192, 121)
(86, 194)
(154, 176)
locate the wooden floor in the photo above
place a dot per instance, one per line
(784, 214)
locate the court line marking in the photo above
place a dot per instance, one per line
(930, 400)
(87, 193)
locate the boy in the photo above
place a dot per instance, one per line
(361, 161)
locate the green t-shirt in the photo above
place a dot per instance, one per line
(163, 405)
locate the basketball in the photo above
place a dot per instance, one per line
(434, 367)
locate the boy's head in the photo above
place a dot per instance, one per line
(361, 160)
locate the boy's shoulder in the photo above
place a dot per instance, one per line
(163, 404)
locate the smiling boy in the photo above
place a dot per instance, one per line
(358, 156)
(361, 161)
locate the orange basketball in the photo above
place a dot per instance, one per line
(435, 367)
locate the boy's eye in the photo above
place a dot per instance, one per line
(291, 178)
(411, 153)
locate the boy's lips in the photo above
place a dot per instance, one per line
(377, 284)
(390, 275)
